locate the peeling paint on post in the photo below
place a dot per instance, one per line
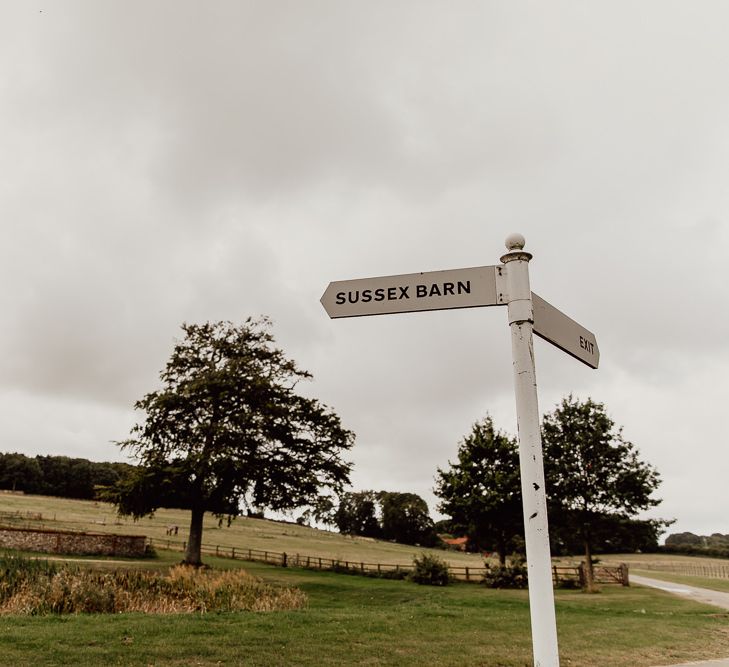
(539, 563)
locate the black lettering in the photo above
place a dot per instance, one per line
(421, 291)
(434, 291)
(341, 298)
(366, 296)
(391, 293)
(582, 342)
(448, 289)
(354, 299)
(404, 293)
(380, 294)
(464, 288)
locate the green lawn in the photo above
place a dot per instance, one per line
(354, 620)
(244, 533)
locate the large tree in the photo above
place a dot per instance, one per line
(357, 513)
(481, 492)
(227, 429)
(592, 472)
(406, 519)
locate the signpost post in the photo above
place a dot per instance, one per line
(506, 284)
(534, 499)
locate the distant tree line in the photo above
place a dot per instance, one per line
(715, 545)
(386, 515)
(60, 476)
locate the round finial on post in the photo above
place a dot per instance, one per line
(515, 245)
(515, 242)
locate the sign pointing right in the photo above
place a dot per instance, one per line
(563, 332)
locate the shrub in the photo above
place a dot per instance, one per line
(429, 570)
(513, 575)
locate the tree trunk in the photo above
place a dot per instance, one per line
(589, 572)
(194, 540)
(502, 551)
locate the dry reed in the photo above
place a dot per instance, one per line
(36, 590)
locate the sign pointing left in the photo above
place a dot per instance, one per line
(411, 292)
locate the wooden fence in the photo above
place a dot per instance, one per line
(17, 517)
(560, 574)
(710, 571)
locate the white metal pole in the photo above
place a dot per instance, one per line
(539, 563)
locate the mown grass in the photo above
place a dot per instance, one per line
(350, 620)
(243, 533)
(359, 621)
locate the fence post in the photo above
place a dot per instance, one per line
(468, 575)
(555, 576)
(284, 560)
(232, 553)
(624, 578)
(217, 549)
(581, 574)
(320, 562)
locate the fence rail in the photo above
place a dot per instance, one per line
(21, 516)
(560, 574)
(708, 571)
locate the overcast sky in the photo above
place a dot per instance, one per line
(166, 161)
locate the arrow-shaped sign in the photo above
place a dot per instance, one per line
(563, 332)
(455, 288)
(411, 292)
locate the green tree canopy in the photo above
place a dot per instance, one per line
(58, 475)
(357, 513)
(227, 429)
(481, 491)
(388, 515)
(591, 471)
(406, 519)
(19, 473)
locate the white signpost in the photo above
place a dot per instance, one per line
(505, 284)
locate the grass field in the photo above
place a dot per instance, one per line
(243, 533)
(351, 620)
(358, 621)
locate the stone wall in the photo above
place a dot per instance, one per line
(62, 542)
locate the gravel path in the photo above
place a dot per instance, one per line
(716, 598)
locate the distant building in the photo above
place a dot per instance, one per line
(456, 542)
